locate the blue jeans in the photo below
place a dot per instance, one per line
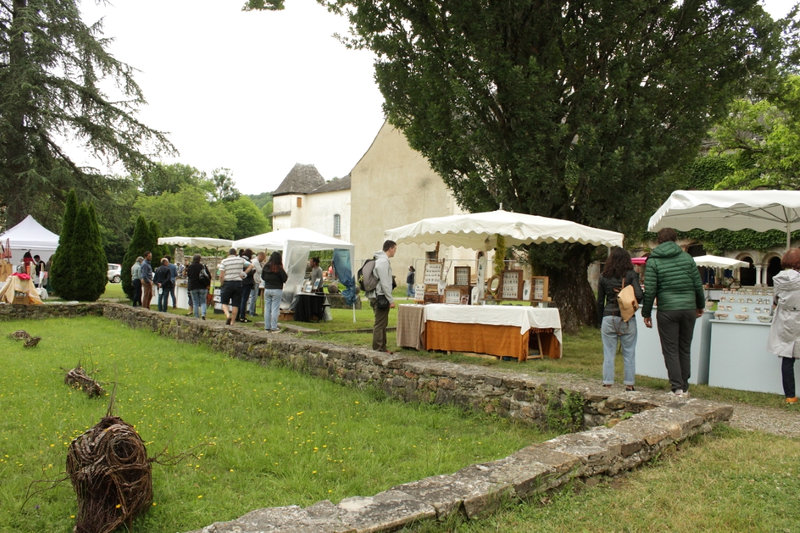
(253, 298)
(199, 301)
(272, 308)
(613, 331)
(163, 299)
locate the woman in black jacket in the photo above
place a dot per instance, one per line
(613, 328)
(274, 276)
(199, 279)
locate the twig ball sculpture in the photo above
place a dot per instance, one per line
(111, 475)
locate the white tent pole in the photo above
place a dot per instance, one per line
(788, 236)
(354, 313)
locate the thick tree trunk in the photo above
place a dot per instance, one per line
(571, 292)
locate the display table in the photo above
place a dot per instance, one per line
(493, 329)
(650, 359)
(309, 307)
(16, 290)
(739, 358)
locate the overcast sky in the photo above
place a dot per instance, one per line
(255, 92)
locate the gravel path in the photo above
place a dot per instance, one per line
(783, 422)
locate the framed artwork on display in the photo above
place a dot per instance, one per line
(433, 273)
(540, 289)
(461, 275)
(456, 295)
(511, 285)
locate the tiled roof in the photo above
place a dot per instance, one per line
(302, 179)
(336, 184)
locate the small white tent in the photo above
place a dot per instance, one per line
(30, 235)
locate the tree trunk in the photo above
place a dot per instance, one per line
(571, 292)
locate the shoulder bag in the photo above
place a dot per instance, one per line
(626, 300)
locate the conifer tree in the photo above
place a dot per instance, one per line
(65, 240)
(141, 242)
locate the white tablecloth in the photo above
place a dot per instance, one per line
(524, 317)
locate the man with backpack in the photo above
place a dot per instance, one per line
(380, 298)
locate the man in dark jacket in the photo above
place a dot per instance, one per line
(672, 277)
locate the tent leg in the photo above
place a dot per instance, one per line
(354, 313)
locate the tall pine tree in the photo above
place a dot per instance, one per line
(79, 267)
(55, 75)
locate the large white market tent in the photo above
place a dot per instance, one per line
(733, 210)
(197, 242)
(30, 235)
(479, 231)
(296, 244)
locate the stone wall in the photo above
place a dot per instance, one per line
(626, 428)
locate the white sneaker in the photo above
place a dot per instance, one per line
(684, 394)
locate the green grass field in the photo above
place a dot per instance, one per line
(247, 436)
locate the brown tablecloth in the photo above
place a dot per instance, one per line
(411, 326)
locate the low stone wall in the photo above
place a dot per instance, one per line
(641, 424)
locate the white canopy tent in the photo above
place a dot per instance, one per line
(197, 242)
(733, 210)
(295, 244)
(719, 262)
(30, 235)
(479, 231)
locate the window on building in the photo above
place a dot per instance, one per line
(337, 225)
(299, 201)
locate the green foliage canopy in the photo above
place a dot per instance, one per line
(53, 70)
(560, 109)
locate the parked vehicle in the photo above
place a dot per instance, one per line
(114, 272)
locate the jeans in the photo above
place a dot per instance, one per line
(163, 299)
(172, 294)
(272, 308)
(613, 330)
(253, 298)
(199, 301)
(675, 329)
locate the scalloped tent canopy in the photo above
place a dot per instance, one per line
(478, 231)
(30, 235)
(733, 210)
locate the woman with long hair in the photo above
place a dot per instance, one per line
(613, 329)
(274, 276)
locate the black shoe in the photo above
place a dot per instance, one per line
(203, 317)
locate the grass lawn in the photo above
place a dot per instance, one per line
(729, 480)
(257, 436)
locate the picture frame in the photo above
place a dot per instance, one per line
(461, 275)
(511, 285)
(456, 294)
(540, 287)
(432, 274)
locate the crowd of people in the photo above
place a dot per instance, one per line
(671, 279)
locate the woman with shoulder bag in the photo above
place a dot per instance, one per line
(614, 329)
(198, 280)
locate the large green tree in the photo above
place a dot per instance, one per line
(187, 212)
(60, 88)
(571, 110)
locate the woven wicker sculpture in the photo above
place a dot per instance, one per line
(78, 378)
(110, 472)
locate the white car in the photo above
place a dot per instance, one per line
(114, 272)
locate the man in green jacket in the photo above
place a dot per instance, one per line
(671, 276)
